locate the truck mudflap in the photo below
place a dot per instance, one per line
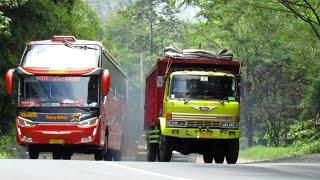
(153, 135)
(198, 133)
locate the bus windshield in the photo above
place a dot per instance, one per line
(59, 91)
(203, 87)
(61, 56)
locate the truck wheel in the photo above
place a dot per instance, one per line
(207, 157)
(219, 155)
(33, 152)
(152, 151)
(165, 151)
(108, 155)
(117, 155)
(232, 151)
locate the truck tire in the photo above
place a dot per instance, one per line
(207, 157)
(100, 153)
(117, 155)
(232, 151)
(33, 152)
(165, 150)
(108, 155)
(219, 154)
(152, 151)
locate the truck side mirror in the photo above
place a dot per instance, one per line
(9, 81)
(105, 82)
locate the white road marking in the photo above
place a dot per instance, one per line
(147, 172)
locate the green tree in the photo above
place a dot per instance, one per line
(36, 20)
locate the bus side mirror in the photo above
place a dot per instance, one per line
(105, 84)
(9, 81)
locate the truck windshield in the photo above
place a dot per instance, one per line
(61, 56)
(203, 87)
(59, 91)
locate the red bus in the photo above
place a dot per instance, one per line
(72, 98)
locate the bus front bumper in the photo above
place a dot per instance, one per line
(58, 134)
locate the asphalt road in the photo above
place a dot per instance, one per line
(26, 169)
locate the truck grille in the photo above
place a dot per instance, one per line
(202, 120)
(202, 117)
(199, 124)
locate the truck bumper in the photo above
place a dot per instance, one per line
(200, 134)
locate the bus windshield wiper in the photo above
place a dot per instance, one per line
(77, 106)
(84, 47)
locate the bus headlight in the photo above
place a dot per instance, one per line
(88, 122)
(25, 122)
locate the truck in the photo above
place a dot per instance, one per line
(192, 105)
(71, 98)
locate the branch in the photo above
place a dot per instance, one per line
(314, 11)
(269, 8)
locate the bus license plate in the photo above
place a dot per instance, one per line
(56, 141)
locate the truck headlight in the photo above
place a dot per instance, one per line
(88, 122)
(174, 123)
(25, 122)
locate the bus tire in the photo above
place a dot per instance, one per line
(66, 155)
(56, 155)
(33, 152)
(98, 155)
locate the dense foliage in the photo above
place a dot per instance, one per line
(22, 21)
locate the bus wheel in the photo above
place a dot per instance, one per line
(33, 152)
(152, 151)
(66, 155)
(56, 155)
(207, 157)
(232, 151)
(165, 151)
(98, 155)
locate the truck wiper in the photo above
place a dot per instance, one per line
(186, 100)
(220, 101)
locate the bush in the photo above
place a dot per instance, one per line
(5, 147)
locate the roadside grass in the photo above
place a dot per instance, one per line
(5, 152)
(261, 153)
